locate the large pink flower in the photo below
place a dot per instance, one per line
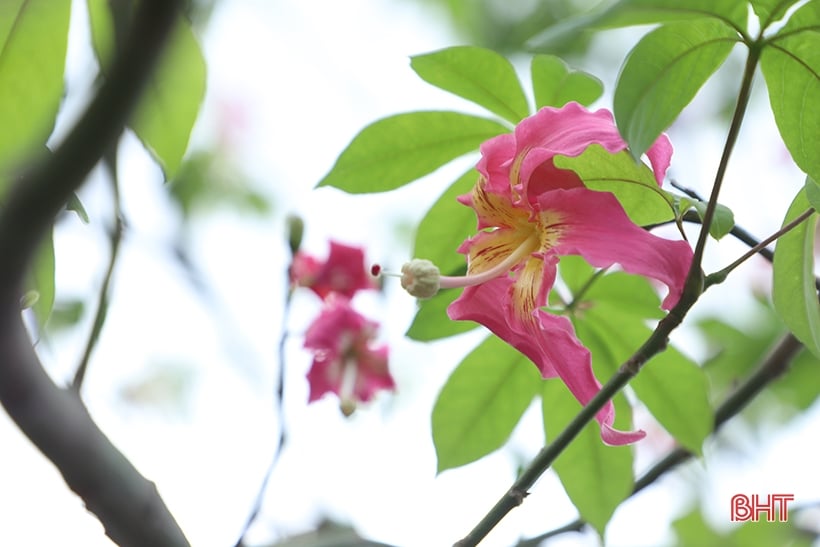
(529, 214)
(343, 272)
(345, 361)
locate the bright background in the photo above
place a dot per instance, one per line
(182, 381)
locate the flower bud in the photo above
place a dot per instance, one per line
(420, 278)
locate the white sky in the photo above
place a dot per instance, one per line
(309, 75)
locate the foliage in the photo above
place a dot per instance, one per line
(617, 316)
(612, 312)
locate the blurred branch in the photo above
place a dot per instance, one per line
(115, 238)
(55, 419)
(774, 366)
(295, 229)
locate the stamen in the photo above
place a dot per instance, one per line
(347, 399)
(522, 251)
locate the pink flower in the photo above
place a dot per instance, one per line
(343, 272)
(345, 362)
(529, 214)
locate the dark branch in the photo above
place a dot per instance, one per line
(55, 420)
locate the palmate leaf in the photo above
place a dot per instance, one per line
(477, 74)
(33, 41)
(662, 74)
(793, 292)
(791, 66)
(169, 106)
(632, 183)
(481, 403)
(393, 151)
(555, 84)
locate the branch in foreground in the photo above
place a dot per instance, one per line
(55, 419)
(774, 366)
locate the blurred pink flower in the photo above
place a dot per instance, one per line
(345, 361)
(529, 214)
(343, 272)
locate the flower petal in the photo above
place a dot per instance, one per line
(595, 226)
(373, 373)
(660, 156)
(547, 340)
(493, 208)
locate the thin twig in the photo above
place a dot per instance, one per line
(115, 238)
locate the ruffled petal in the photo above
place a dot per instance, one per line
(595, 226)
(549, 341)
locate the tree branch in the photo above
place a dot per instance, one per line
(55, 419)
(774, 366)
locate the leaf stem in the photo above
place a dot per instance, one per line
(731, 138)
(720, 275)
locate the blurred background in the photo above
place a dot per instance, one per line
(182, 378)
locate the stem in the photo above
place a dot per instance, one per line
(654, 344)
(731, 139)
(115, 238)
(280, 409)
(774, 366)
(54, 419)
(720, 275)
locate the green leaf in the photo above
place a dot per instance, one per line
(166, 113)
(794, 293)
(431, 321)
(722, 222)
(74, 204)
(555, 84)
(673, 388)
(169, 107)
(769, 11)
(446, 225)
(393, 151)
(477, 74)
(482, 402)
(633, 183)
(662, 74)
(596, 477)
(33, 41)
(575, 272)
(791, 66)
(691, 529)
(813, 192)
(730, 13)
(630, 294)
